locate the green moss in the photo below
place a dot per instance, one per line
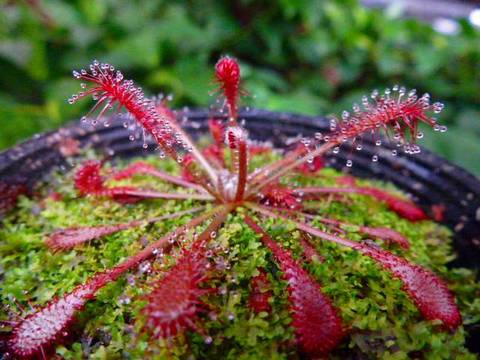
(382, 321)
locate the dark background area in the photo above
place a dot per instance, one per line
(311, 57)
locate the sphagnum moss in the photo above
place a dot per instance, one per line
(383, 321)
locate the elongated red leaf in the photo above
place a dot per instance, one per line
(404, 208)
(260, 293)
(217, 131)
(41, 330)
(89, 181)
(390, 111)
(68, 238)
(386, 234)
(429, 293)
(174, 303)
(277, 195)
(318, 327)
(64, 239)
(227, 74)
(108, 87)
(142, 168)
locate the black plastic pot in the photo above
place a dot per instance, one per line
(429, 179)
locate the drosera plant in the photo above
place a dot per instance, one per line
(219, 180)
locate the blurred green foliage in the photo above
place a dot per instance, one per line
(314, 57)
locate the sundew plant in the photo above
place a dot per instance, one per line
(219, 181)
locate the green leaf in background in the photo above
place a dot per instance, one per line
(93, 11)
(137, 50)
(188, 78)
(457, 145)
(20, 120)
(428, 59)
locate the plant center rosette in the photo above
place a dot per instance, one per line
(233, 248)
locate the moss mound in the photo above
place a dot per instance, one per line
(383, 322)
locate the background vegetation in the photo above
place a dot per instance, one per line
(314, 57)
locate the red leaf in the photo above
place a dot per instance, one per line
(215, 154)
(41, 330)
(217, 131)
(277, 195)
(259, 149)
(187, 174)
(429, 293)
(9, 194)
(386, 234)
(404, 208)
(227, 74)
(138, 167)
(389, 111)
(88, 179)
(89, 182)
(108, 87)
(260, 293)
(318, 327)
(71, 237)
(173, 304)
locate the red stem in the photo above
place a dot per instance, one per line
(385, 234)
(262, 173)
(287, 164)
(402, 207)
(150, 194)
(242, 169)
(64, 239)
(143, 168)
(163, 242)
(316, 232)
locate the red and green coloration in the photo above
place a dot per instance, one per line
(318, 327)
(431, 295)
(175, 301)
(9, 194)
(260, 293)
(227, 74)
